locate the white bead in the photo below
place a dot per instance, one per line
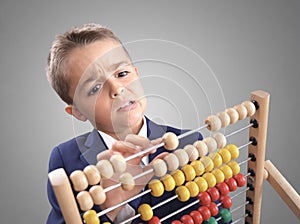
(201, 147)
(171, 161)
(160, 167)
(220, 139)
(182, 156)
(211, 143)
(213, 122)
(192, 152)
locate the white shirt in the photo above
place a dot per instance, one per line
(127, 211)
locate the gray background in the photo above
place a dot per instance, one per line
(249, 45)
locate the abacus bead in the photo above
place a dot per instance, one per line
(171, 161)
(204, 198)
(214, 210)
(223, 188)
(176, 222)
(216, 158)
(92, 174)
(214, 193)
(178, 177)
(227, 171)
(168, 182)
(250, 108)
(98, 195)
(183, 193)
(118, 162)
(226, 215)
(220, 139)
(79, 180)
(211, 143)
(232, 184)
(220, 177)
(235, 167)
(160, 167)
(202, 184)
(226, 155)
(242, 111)
(207, 162)
(90, 217)
(192, 152)
(189, 172)
(240, 179)
(197, 217)
(157, 188)
(84, 200)
(187, 219)
(201, 147)
(145, 211)
(211, 220)
(154, 220)
(198, 167)
(234, 151)
(127, 181)
(210, 179)
(193, 188)
(226, 201)
(233, 114)
(105, 168)
(225, 118)
(205, 212)
(182, 156)
(171, 141)
(213, 122)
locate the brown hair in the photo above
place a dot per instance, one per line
(61, 48)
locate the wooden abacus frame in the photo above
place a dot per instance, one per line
(259, 169)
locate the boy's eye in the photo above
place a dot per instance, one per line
(122, 74)
(94, 89)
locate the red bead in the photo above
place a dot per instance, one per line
(176, 222)
(226, 201)
(205, 212)
(204, 198)
(214, 210)
(187, 219)
(154, 220)
(240, 179)
(214, 193)
(232, 184)
(223, 188)
(197, 217)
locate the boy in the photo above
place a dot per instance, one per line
(92, 73)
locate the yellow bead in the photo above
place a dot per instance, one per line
(216, 158)
(183, 193)
(202, 184)
(208, 163)
(234, 166)
(193, 188)
(220, 177)
(226, 155)
(189, 172)
(227, 171)
(198, 167)
(178, 177)
(168, 182)
(234, 151)
(157, 188)
(210, 179)
(145, 211)
(90, 217)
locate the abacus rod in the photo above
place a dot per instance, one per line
(245, 161)
(165, 201)
(239, 130)
(130, 219)
(243, 191)
(191, 131)
(242, 146)
(235, 209)
(239, 219)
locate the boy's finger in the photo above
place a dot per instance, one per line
(138, 140)
(124, 147)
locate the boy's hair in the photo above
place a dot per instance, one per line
(61, 48)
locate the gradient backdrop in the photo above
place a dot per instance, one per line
(248, 45)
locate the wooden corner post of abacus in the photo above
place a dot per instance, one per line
(258, 135)
(64, 195)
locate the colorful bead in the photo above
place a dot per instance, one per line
(90, 217)
(220, 177)
(160, 167)
(201, 147)
(118, 162)
(202, 184)
(213, 123)
(178, 177)
(240, 179)
(92, 174)
(192, 152)
(214, 193)
(98, 195)
(216, 158)
(105, 168)
(183, 193)
(127, 181)
(187, 219)
(214, 210)
(226, 215)
(79, 180)
(227, 171)
(226, 201)
(145, 211)
(234, 151)
(226, 156)
(235, 167)
(189, 172)
(250, 108)
(205, 212)
(208, 163)
(84, 200)
(157, 188)
(204, 198)
(242, 111)
(223, 188)
(168, 182)
(171, 141)
(154, 220)
(232, 184)
(197, 217)
(171, 161)
(211, 144)
(182, 156)
(211, 220)
(233, 114)
(210, 179)
(225, 118)
(193, 188)
(198, 167)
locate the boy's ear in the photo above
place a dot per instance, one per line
(73, 111)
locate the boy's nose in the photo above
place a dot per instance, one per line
(116, 88)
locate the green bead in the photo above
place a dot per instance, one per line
(226, 215)
(211, 220)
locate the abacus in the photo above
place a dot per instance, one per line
(205, 171)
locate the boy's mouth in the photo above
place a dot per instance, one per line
(128, 106)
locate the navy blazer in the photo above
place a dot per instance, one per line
(81, 151)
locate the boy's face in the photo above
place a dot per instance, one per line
(105, 88)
